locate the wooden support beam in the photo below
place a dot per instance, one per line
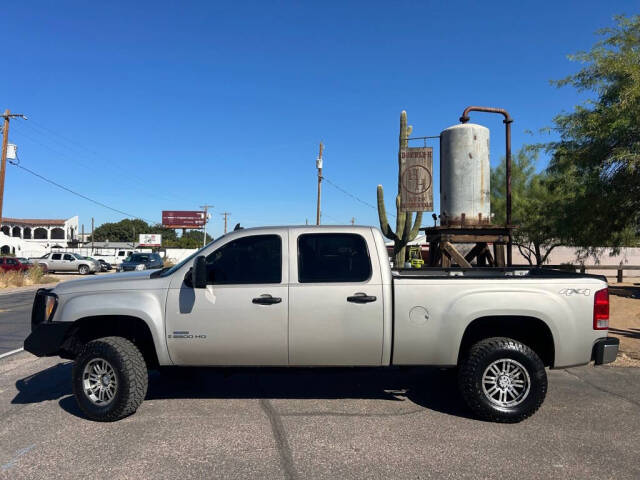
(498, 250)
(474, 252)
(445, 259)
(455, 255)
(488, 256)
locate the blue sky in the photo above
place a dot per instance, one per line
(154, 105)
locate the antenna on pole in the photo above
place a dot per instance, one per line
(319, 167)
(206, 218)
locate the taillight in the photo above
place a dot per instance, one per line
(601, 310)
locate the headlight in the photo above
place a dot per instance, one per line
(49, 307)
(140, 267)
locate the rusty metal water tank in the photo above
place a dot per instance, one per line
(465, 175)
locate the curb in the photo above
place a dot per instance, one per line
(6, 291)
(9, 291)
(12, 352)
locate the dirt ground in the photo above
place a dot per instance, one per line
(625, 320)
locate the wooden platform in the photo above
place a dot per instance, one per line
(443, 252)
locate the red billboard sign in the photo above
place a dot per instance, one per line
(182, 219)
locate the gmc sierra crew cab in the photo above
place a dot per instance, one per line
(322, 296)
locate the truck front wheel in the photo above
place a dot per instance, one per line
(502, 380)
(109, 379)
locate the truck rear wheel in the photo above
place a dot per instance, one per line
(83, 269)
(502, 380)
(110, 379)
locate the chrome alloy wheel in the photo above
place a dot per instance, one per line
(99, 382)
(506, 383)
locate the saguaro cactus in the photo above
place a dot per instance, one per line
(404, 231)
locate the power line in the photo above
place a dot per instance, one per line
(51, 133)
(17, 164)
(352, 195)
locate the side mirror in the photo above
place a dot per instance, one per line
(199, 272)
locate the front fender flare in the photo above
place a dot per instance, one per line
(147, 305)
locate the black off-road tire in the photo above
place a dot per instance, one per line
(44, 268)
(131, 375)
(483, 354)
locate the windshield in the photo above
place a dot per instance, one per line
(177, 266)
(138, 257)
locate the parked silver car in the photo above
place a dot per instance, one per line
(68, 262)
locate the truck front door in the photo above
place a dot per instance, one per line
(335, 299)
(241, 317)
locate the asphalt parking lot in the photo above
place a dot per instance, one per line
(15, 313)
(315, 423)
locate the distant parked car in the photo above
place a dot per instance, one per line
(25, 261)
(104, 265)
(68, 262)
(141, 261)
(12, 263)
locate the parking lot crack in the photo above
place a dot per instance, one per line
(16, 457)
(280, 436)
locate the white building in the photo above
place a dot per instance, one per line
(33, 237)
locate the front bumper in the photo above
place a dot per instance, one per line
(46, 338)
(605, 350)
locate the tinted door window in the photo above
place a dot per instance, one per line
(333, 257)
(11, 261)
(69, 257)
(247, 260)
(56, 256)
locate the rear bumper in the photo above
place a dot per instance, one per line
(46, 339)
(605, 350)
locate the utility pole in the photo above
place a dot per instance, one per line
(92, 236)
(353, 220)
(5, 139)
(225, 215)
(319, 167)
(204, 229)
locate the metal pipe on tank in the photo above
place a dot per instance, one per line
(507, 121)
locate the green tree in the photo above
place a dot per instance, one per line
(189, 239)
(598, 153)
(128, 230)
(538, 206)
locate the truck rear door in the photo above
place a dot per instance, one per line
(335, 298)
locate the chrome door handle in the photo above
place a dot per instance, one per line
(266, 299)
(361, 297)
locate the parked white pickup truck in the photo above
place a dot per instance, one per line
(322, 296)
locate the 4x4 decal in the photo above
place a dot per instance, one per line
(575, 291)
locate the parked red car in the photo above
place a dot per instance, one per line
(11, 263)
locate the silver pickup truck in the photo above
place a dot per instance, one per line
(322, 296)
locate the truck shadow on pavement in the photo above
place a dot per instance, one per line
(411, 387)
